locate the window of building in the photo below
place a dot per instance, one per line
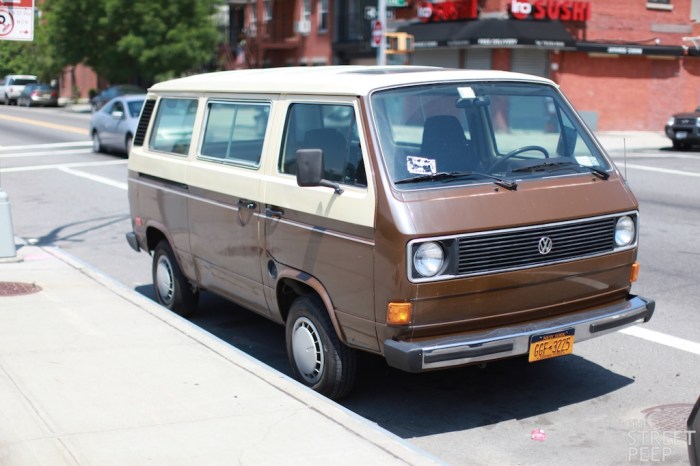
(306, 11)
(659, 5)
(322, 15)
(172, 130)
(331, 128)
(235, 132)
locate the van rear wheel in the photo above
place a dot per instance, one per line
(318, 358)
(172, 288)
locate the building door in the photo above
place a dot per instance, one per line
(530, 61)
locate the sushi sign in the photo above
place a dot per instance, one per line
(550, 9)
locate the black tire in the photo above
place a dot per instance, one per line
(96, 143)
(677, 145)
(318, 358)
(128, 143)
(172, 288)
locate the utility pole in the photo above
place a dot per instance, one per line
(381, 17)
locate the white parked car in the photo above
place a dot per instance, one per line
(13, 85)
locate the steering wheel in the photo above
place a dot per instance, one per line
(517, 151)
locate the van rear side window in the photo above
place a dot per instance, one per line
(172, 130)
(235, 132)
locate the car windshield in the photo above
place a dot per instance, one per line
(480, 132)
(135, 107)
(23, 81)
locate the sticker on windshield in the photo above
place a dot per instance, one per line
(420, 165)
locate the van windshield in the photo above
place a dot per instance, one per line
(481, 132)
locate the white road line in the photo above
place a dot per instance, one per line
(663, 339)
(47, 146)
(62, 165)
(98, 178)
(46, 153)
(660, 170)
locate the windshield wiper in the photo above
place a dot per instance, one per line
(563, 165)
(512, 185)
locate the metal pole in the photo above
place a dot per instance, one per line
(7, 236)
(381, 50)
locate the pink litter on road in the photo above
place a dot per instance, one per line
(539, 435)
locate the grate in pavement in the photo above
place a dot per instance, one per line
(18, 288)
(669, 419)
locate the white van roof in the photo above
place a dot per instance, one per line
(337, 80)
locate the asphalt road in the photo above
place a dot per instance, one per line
(621, 399)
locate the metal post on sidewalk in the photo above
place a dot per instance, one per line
(8, 253)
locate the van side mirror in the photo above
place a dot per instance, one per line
(310, 170)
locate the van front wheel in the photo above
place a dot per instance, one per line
(172, 288)
(318, 358)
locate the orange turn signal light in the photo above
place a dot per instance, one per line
(399, 313)
(634, 273)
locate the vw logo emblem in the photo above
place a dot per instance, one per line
(545, 245)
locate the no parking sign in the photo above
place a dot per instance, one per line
(16, 19)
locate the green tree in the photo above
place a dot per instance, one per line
(135, 42)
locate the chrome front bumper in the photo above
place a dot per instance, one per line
(512, 341)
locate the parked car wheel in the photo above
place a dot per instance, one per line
(677, 145)
(172, 288)
(96, 142)
(129, 142)
(318, 358)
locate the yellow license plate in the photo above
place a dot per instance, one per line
(551, 345)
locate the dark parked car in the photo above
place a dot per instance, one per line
(111, 92)
(684, 129)
(38, 94)
(113, 126)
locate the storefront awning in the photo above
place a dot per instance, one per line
(494, 33)
(631, 49)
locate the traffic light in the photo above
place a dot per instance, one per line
(399, 42)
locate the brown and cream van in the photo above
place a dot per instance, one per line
(435, 217)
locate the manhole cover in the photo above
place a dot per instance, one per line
(669, 419)
(18, 288)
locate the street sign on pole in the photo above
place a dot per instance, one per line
(16, 19)
(377, 33)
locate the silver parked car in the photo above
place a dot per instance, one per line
(112, 127)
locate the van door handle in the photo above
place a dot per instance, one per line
(274, 212)
(247, 204)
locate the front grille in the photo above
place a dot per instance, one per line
(515, 249)
(522, 248)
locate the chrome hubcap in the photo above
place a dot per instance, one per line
(308, 350)
(164, 280)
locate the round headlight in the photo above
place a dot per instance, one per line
(428, 259)
(671, 121)
(624, 231)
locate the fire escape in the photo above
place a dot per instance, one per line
(270, 39)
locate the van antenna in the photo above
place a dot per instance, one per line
(624, 153)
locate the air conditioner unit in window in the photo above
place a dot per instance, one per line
(302, 27)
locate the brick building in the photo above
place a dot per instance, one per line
(626, 65)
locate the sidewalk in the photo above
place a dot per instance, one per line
(92, 373)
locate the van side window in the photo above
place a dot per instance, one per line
(235, 132)
(331, 128)
(172, 129)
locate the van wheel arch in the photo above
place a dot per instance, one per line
(172, 289)
(318, 358)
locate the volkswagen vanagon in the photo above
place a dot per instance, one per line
(435, 217)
